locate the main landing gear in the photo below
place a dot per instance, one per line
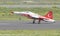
(38, 21)
(34, 21)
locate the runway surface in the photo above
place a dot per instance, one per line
(27, 25)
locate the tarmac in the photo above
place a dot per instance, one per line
(27, 25)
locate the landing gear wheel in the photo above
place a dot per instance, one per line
(33, 21)
(39, 21)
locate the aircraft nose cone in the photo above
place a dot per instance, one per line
(12, 12)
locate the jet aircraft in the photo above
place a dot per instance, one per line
(47, 18)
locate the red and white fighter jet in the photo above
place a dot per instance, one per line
(47, 18)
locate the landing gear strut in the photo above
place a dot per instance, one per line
(39, 21)
(33, 21)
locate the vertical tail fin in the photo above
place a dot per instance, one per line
(49, 15)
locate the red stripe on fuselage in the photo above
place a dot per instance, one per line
(27, 15)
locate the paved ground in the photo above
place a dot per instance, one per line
(27, 25)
